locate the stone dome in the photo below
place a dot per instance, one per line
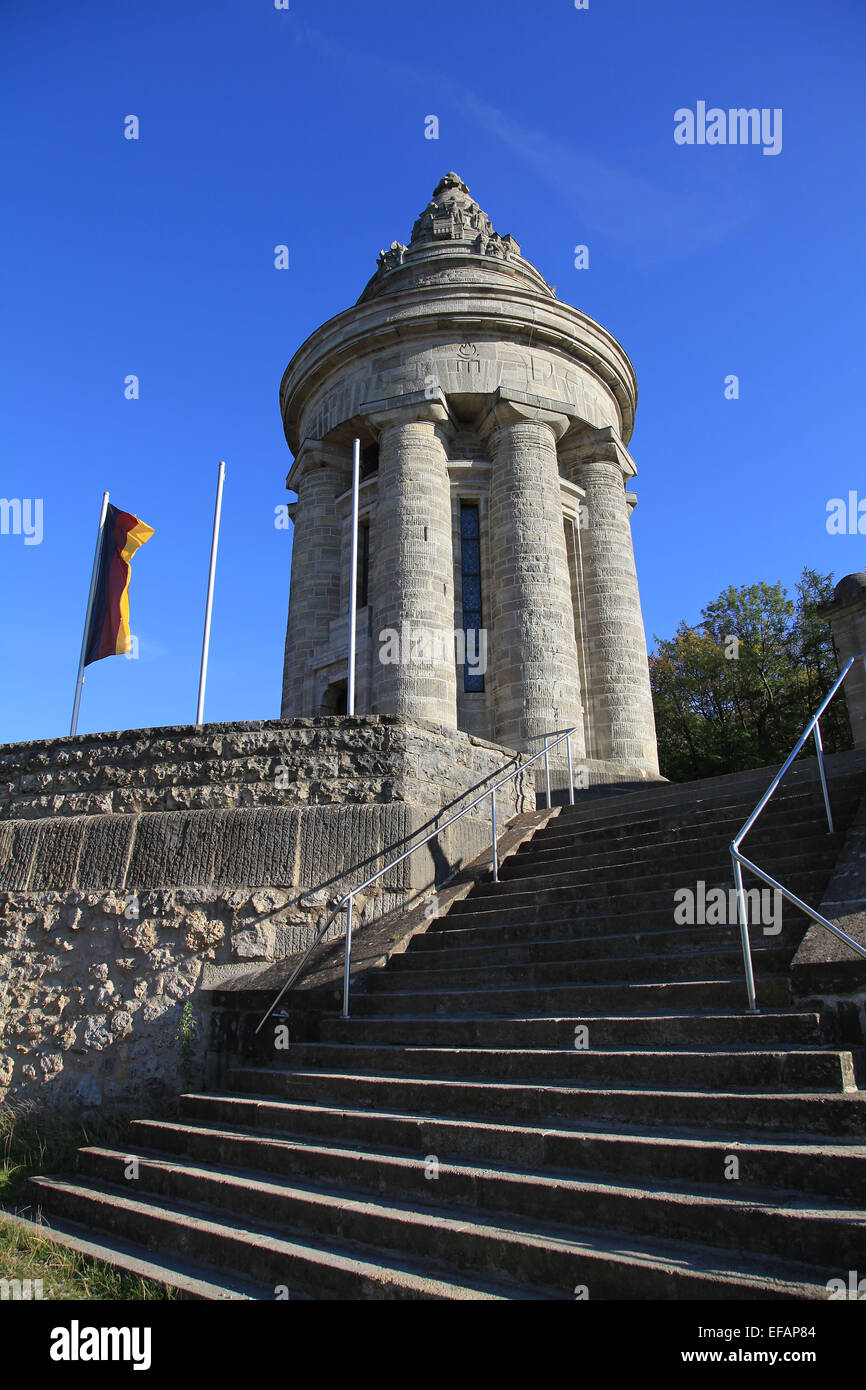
(850, 588)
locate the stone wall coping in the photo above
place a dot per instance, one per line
(338, 723)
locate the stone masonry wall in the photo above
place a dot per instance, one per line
(111, 920)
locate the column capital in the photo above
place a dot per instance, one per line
(316, 453)
(410, 408)
(598, 446)
(514, 407)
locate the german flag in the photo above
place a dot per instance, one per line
(108, 632)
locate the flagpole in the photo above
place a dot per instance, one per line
(73, 728)
(209, 608)
(353, 578)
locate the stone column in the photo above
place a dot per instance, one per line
(846, 614)
(320, 473)
(621, 702)
(532, 648)
(412, 562)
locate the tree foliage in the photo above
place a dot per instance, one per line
(736, 691)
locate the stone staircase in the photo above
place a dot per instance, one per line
(553, 1093)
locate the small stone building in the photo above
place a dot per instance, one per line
(846, 614)
(497, 591)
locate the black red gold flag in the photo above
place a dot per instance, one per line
(108, 633)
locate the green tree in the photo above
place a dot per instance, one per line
(736, 691)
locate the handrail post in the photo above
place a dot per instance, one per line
(547, 771)
(495, 837)
(813, 727)
(570, 771)
(348, 965)
(820, 747)
(743, 914)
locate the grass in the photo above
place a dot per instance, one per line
(65, 1274)
(33, 1140)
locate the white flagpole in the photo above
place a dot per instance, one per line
(209, 608)
(73, 728)
(353, 578)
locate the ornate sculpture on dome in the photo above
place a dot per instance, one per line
(388, 260)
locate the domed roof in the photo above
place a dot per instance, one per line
(453, 240)
(850, 588)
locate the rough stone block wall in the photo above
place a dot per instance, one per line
(111, 920)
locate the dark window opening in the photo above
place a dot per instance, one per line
(369, 461)
(470, 566)
(363, 564)
(336, 698)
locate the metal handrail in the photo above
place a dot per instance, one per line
(739, 860)
(347, 900)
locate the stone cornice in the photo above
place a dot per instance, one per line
(599, 446)
(315, 453)
(512, 407)
(439, 315)
(409, 408)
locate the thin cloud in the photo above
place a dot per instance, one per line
(652, 223)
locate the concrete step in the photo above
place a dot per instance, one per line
(605, 1165)
(646, 997)
(722, 792)
(659, 1031)
(619, 896)
(785, 1069)
(712, 819)
(690, 847)
(770, 1171)
(285, 1219)
(307, 1269)
(621, 821)
(708, 963)
(802, 1161)
(473, 930)
(831, 1114)
(385, 1214)
(562, 904)
(609, 883)
(682, 941)
(710, 863)
(188, 1279)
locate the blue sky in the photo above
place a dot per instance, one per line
(306, 127)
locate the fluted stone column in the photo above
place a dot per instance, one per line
(621, 702)
(532, 648)
(320, 474)
(413, 562)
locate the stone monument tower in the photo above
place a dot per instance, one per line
(497, 591)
